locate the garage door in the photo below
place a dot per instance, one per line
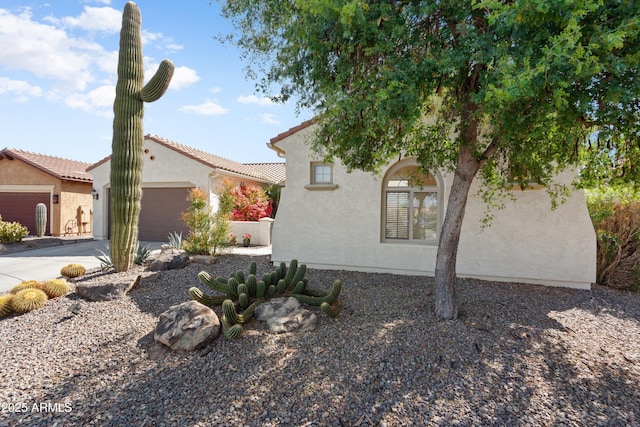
(161, 213)
(21, 207)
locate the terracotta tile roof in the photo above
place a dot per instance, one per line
(275, 171)
(291, 131)
(69, 170)
(211, 160)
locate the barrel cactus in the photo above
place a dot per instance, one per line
(127, 144)
(28, 300)
(55, 288)
(5, 305)
(72, 270)
(41, 219)
(26, 284)
(240, 295)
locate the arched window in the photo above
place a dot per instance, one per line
(411, 210)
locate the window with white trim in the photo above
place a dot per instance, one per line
(321, 173)
(411, 211)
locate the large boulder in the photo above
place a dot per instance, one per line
(116, 287)
(169, 259)
(286, 315)
(187, 326)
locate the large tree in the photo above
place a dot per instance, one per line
(512, 89)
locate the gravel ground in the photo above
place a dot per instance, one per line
(518, 355)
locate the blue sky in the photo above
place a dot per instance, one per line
(58, 64)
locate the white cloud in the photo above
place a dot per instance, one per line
(207, 109)
(98, 101)
(174, 47)
(182, 77)
(18, 87)
(216, 89)
(45, 51)
(105, 19)
(270, 119)
(252, 99)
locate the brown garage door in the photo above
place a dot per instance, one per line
(161, 213)
(21, 207)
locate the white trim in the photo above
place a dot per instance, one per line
(11, 188)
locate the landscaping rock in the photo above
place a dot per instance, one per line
(187, 326)
(116, 288)
(169, 259)
(203, 259)
(286, 315)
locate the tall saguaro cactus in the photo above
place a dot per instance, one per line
(128, 136)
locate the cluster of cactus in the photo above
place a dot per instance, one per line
(31, 295)
(250, 292)
(72, 270)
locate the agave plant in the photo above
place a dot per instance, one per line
(143, 252)
(175, 240)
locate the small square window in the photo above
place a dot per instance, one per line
(321, 173)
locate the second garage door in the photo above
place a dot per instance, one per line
(21, 207)
(161, 214)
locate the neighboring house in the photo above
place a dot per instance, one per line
(169, 171)
(63, 185)
(329, 218)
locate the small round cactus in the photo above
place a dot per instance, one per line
(72, 270)
(28, 300)
(55, 288)
(27, 284)
(5, 305)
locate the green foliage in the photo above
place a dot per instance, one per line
(490, 87)
(106, 263)
(143, 252)
(175, 240)
(11, 232)
(208, 232)
(615, 213)
(41, 219)
(127, 145)
(273, 192)
(246, 293)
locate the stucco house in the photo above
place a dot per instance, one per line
(169, 171)
(329, 218)
(63, 185)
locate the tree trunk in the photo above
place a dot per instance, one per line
(445, 274)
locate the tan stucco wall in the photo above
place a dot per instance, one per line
(341, 229)
(75, 209)
(17, 176)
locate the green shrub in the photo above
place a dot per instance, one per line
(615, 213)
(12, 231)
(208, 231)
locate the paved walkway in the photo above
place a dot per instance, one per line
(45, 263)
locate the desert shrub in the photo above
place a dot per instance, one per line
(615, 213)
(12, 231)
(250, 203)
(208, 231)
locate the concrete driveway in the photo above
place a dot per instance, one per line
(45, 263)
